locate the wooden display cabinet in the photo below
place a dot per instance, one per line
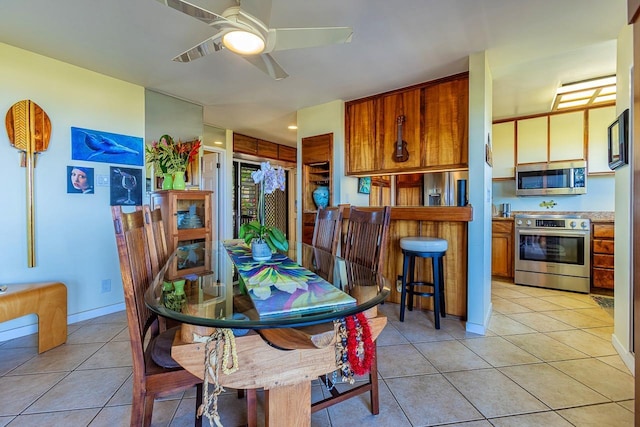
(317, 159)
(187, 222)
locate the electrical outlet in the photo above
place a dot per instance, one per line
(105, 286)
(399, 284)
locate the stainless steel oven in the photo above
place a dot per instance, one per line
(552, 251)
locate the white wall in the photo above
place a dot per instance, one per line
(479, 229)
(318, 120)
(600, 197)
(623, 316)
(74, 234)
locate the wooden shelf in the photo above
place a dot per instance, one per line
(317, 155)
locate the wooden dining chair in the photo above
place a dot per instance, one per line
(328, 228)
(155, 373)
(365, 244)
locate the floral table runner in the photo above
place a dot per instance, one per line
(282, 287)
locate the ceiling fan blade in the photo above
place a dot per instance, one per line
(197, 12)
(296, 38)
(267, 65)
(210, 45)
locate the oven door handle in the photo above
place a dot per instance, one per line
(554, 233)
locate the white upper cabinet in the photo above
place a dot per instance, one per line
(566, 136)
(532, 140)
(599, 121)
(503, 149)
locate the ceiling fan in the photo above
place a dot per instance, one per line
(242, 32)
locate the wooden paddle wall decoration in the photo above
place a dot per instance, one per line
(29, 130)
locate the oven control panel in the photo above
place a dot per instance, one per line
(554, 222)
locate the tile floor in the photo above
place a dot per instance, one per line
(547, 360)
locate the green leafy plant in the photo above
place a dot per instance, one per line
(264, 233)
(270, 180)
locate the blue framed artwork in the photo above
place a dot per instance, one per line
(364, 185)
(105, 147)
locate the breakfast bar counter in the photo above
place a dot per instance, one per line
(445, 222)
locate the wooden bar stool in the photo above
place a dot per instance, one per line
(423, 247)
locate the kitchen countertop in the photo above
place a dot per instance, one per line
(594, 216)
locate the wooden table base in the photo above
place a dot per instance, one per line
(285, 375)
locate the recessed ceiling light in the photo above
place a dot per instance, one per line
(292, 127)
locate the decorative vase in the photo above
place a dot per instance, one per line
(176, 298)
(321, 197)
(260, 251)
(167, 182)
(178, 181)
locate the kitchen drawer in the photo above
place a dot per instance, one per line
(603, 246)
(502, 226)
(605, 261)
(601, 231)
(602, 278)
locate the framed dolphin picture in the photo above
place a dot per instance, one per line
(105, 147)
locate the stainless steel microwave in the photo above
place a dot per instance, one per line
(551, 178)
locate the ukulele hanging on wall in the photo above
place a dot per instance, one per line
(400, 154)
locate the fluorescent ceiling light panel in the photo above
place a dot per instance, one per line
(585, 93)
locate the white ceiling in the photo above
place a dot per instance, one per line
(532, 45)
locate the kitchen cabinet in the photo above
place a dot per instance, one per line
(566, 136)
(503, 149)
(599, 120)
(447, 124)
(502, 249)
(261, 149)
(186, 216)
(602, 257)
(393, 108)
(361, 147)
(531, 140)
(435, 128)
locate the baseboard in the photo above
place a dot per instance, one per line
(474, 328)
(74, 318)
(627, 358)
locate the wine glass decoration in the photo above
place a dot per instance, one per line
(125, 188)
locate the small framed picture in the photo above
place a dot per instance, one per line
(79, 180)
(364, 185)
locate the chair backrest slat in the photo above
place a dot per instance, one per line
(156, 238)
(328, 228)
(367, 235)
(135, 268)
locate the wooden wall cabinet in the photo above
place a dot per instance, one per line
(602, 256)
(532, 140)
(435, 128)
(502, 249)
(446, 137)
(361, 129)
(183, 229)
(244, 144)
(391, 108)
(317, 170)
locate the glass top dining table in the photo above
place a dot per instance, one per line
(224, 288)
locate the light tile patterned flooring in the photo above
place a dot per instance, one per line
(546, 361)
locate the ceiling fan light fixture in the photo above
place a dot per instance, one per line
(243, 42)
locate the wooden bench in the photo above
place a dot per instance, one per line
(48, 300)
